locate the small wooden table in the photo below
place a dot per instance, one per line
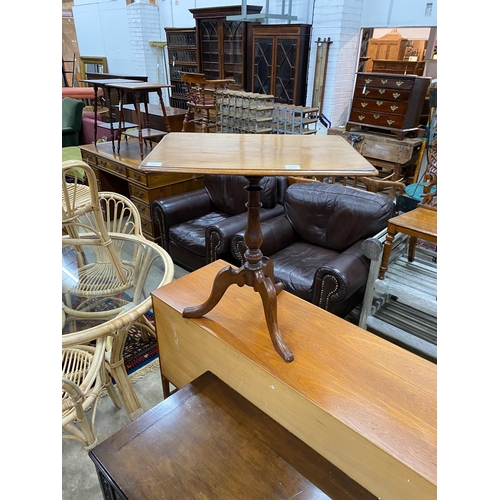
(418, 223)
(366, 405)
(207, 441)
(136, 89)
(106, 84)
(254, 156)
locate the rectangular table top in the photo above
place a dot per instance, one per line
(256, 155)
(208, 441)
(110, 82)
(365, 404)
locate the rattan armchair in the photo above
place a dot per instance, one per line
(83, 225)
(83, 378)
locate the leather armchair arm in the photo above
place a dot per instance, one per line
(338, 279)
(277, 233)
(68, 131)
(167, 212)
(218, 237)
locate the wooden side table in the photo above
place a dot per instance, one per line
(208, 441)
(136, 89)
(418, 223)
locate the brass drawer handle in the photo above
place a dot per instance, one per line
(390, 122)
(393, 108)
(379, 103)
(384, 81)
(396, 95)
(361, 117)
(376, 117)
(381, 91)
(399, 83)
(368, 80)
(364, 104)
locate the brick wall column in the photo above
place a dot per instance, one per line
(144, 26)
(340, 21)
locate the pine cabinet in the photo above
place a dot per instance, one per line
(223, 45)
(279, 55)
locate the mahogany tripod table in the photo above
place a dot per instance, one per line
(254, 156)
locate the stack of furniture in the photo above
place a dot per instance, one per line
(244, 112)
(291, 119)
(400, 301)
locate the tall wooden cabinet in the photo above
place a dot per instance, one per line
(182, 56)
(223, 45)
(279, 55)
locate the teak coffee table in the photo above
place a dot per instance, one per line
(254, 156)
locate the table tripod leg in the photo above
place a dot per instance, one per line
(267, 291)
(223, 280)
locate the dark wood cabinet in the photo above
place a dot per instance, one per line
(280, 54)
(223, 45)
(182, 56)
(388, 102)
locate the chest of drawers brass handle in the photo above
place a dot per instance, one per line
(381, 91)
(399, 83)
(395, 95)
(364, 104)
(384, 81)
(393, 108)
(379, 103)
(376, 117)
(361, 118)
(390, 122)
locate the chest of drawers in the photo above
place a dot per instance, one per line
(388, 102)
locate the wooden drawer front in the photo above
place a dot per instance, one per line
(378, 119)
(137, 176)
(119, 170)
(385, 82)
(88, 158)
(144, 210)
(382, 93)
(139, 193)
(379, 106)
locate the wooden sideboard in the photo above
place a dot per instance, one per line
(208, 442)
(118, 172)
(366, 405)
(388, 102)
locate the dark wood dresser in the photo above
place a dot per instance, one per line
(206, 441)
(388, 102)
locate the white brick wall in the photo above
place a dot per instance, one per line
(341, 23)
(144, 26)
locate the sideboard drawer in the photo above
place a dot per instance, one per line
(137, 176)
(139, 193)
(119, 170)
(144, 209)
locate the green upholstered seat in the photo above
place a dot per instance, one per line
(74, 153)
(72, 110)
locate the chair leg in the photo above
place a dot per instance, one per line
(186, 119)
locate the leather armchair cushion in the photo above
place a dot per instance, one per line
(334, 216)
(190, 235)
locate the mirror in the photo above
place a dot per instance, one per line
(92, 65)
(399, 51)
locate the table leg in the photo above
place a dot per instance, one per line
(137, 107)
(95, 114)
(411, 248)
(257, 271)
(389, 238)
(164, 111)
(120, 116)
(110, 107)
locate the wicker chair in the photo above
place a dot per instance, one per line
(83, 377)
(83, 224)
(201, 94)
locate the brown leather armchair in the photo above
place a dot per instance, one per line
(196, 227)
(315, 245)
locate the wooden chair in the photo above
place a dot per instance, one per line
(83, 377)
(201, 94)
